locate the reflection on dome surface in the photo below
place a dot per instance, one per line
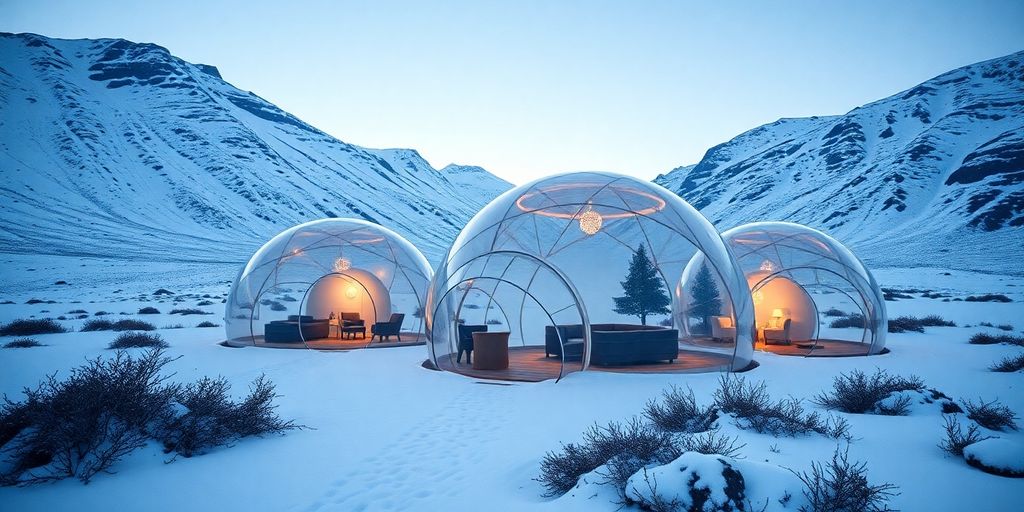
(541, 269)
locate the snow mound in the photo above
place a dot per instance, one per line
(698, 482)
(998, 456)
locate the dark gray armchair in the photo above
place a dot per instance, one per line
(393, 327)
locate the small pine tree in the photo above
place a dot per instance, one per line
(644, 291)
(707, 301)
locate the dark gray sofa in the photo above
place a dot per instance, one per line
(615, 344)
(287, 331)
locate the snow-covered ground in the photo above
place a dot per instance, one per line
(387, 434)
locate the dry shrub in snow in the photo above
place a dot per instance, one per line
(989, 297)
(212, 419)
(31, 326)
(23, 343)
(839, 485)
(983, 338)
(956, 440)
(189, 311)
(207, 324)
(623, 446)
(679, 411)
(904, 324)
(631, 446)
(678, 425)
(106, 409)
(149, 310)
(991, 415)
(854, 320)
(97, 325)
(81, 426)
(132, 339)
(128, 324)
(559, 471)
(711, 442)
(1009, 364)
(858, 393)
(787, 417)
(936, 321)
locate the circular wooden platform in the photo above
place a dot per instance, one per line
(408, 340)
(818, 348)
(529, 364)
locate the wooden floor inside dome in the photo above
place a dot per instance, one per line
(528, 364)
(408, 340)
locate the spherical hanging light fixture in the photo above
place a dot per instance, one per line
(342, 264)
(590, 221)
(767, 266)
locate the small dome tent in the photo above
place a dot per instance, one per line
(556, 273)
(330, 284)
(812, 296)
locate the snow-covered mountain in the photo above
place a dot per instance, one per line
(932, 176)
(111, 148)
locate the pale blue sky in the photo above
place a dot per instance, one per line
(529, 88)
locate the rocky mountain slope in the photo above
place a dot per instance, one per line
(932, 176)
(115, 149)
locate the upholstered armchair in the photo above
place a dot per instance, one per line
(722, 328)
(778, 336)
(393, 327)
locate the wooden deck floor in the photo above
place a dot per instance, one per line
(528, 364)
(408, 340)
(821, 348)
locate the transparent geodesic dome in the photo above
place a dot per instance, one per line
(295, 283)
(545, 262)
(833, 303)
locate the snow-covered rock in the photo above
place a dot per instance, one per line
(932, 176)
(997, 455)
(698, 482)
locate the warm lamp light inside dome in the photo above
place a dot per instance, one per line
(342, 264)
(590, 221)
(351, 292)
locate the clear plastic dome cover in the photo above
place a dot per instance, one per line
(317, 283)
(804, 279)
(559, 264)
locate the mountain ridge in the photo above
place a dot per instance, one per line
(930, 176)
(106, 144)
